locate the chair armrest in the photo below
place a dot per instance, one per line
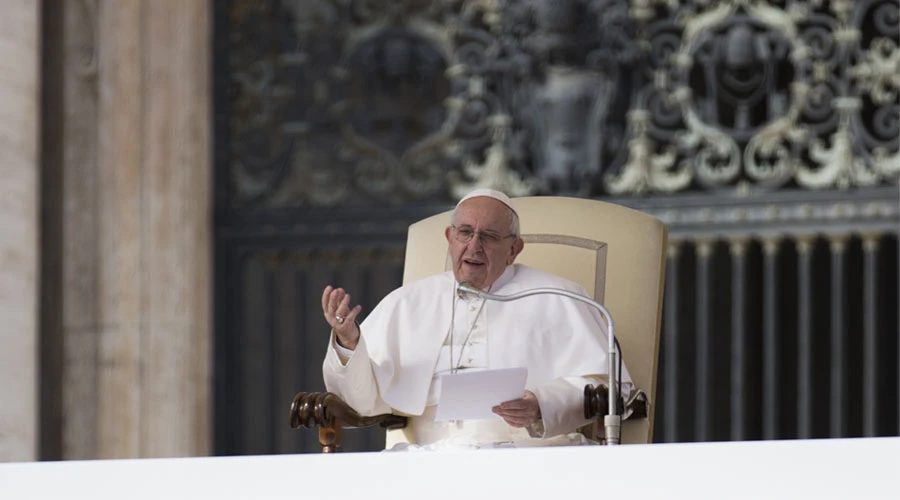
(596, 403)
(330, 414)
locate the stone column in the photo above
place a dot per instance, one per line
(19, 229)
(135, 227)
(177, 224)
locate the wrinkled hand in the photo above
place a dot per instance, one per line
(520, 412)
(336, 308)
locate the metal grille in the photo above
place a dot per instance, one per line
(792, 337)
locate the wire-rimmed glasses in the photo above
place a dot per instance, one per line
(487, 239)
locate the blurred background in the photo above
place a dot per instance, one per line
(182, 178)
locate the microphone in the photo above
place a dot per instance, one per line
(464, 288)
(612, 421)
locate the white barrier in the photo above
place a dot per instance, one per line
(836, 468)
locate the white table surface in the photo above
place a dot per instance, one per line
(835, 468)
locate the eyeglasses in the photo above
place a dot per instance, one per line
(464, 234)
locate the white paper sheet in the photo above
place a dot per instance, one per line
(470, 395)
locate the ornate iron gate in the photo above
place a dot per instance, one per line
(764, 133)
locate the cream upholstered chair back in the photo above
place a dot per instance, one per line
(615, 253)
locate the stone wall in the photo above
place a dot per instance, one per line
(19, 254)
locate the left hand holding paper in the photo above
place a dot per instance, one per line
(472, 394)
(520, 412)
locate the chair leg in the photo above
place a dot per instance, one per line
(330, 438)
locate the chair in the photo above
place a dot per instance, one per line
(615, 253)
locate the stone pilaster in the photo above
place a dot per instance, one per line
(19, 234)
(136, 227)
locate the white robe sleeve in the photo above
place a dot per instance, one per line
(562, 404)
(354, 382)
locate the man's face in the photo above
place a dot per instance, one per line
(483, 259)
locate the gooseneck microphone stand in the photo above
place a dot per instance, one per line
(612, 421)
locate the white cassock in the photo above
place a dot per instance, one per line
(406, 345)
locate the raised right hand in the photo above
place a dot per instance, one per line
(336, 308)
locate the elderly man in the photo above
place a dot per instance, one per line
(393, 361)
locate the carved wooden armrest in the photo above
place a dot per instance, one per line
(330, 414)
(596, 403)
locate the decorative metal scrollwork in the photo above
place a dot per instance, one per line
(371, 102)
